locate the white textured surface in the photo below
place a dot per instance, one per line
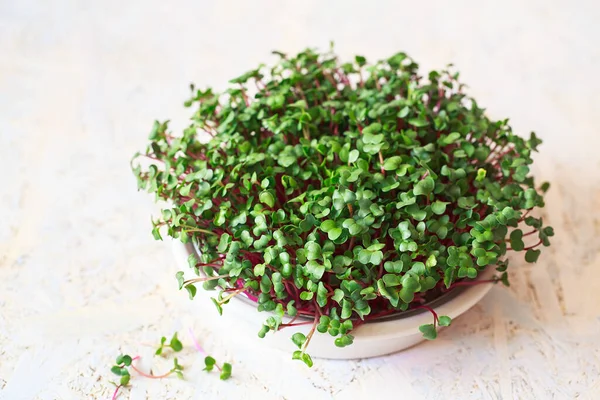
(81, 279)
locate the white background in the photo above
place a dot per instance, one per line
(81, 278)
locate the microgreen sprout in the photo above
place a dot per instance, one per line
(334, 193)
(210, 363)
(174, 344)
(124, 363)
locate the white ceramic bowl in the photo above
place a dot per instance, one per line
(371, 339)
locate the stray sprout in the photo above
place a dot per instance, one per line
(335, 193)
(124, 363)
(429, 331)
(174, 344)
(210, 362)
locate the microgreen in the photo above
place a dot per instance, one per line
(124, 363)
(339, 192)
(210, 363)
(174, 344)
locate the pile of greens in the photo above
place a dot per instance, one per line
(341, 192)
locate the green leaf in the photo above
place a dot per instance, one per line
(439, 207)
(321, 295)
(223, 243)
(516, 242)
(431, 261)
(124, 359)
(418, 268)
(344, 340)
(225, 371)
(338, 295)
(180, 280)
(307, 360)
(545, 186)
(191, 289)
(429, 331)
(315, 270)
(218, 305)
(299, 339)
(392, 163)
(393, 266)
(267, 198)
(531, 255)
(418, 122)
(334, 233)
(444, 320)
(175, 343)
(328, 225)
(403, 112)
(391, 280)
(239, 220)
(353, 156)
(346, 309)
(121, 371)
(424, 186)
(306, 296)
(450, 138)
(481, 173)
(209, 363)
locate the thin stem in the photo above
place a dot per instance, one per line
(305, 133)
(244, 95)
(209, 278)
(232, 295)
(310, 334)
(116, 393)
(525, 215)
(294, 324)
(527, 248)
(525, 234)
(142, 373)
(194, 229)
(435, 316)
(534, 246)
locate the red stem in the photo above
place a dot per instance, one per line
(534, 246)
(435, 316)
(116, 393)
(148, 375)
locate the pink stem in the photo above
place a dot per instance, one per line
(198, 347)
(116, 393)
(196, 344)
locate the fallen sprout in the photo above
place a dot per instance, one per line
(209, 362)
(124, 364)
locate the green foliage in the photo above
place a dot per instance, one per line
(174, 344)
(342, 191)
(124, 362)
(225, 371)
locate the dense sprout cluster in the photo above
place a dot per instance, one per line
(343, 192)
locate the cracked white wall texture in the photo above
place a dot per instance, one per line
(81, 278)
